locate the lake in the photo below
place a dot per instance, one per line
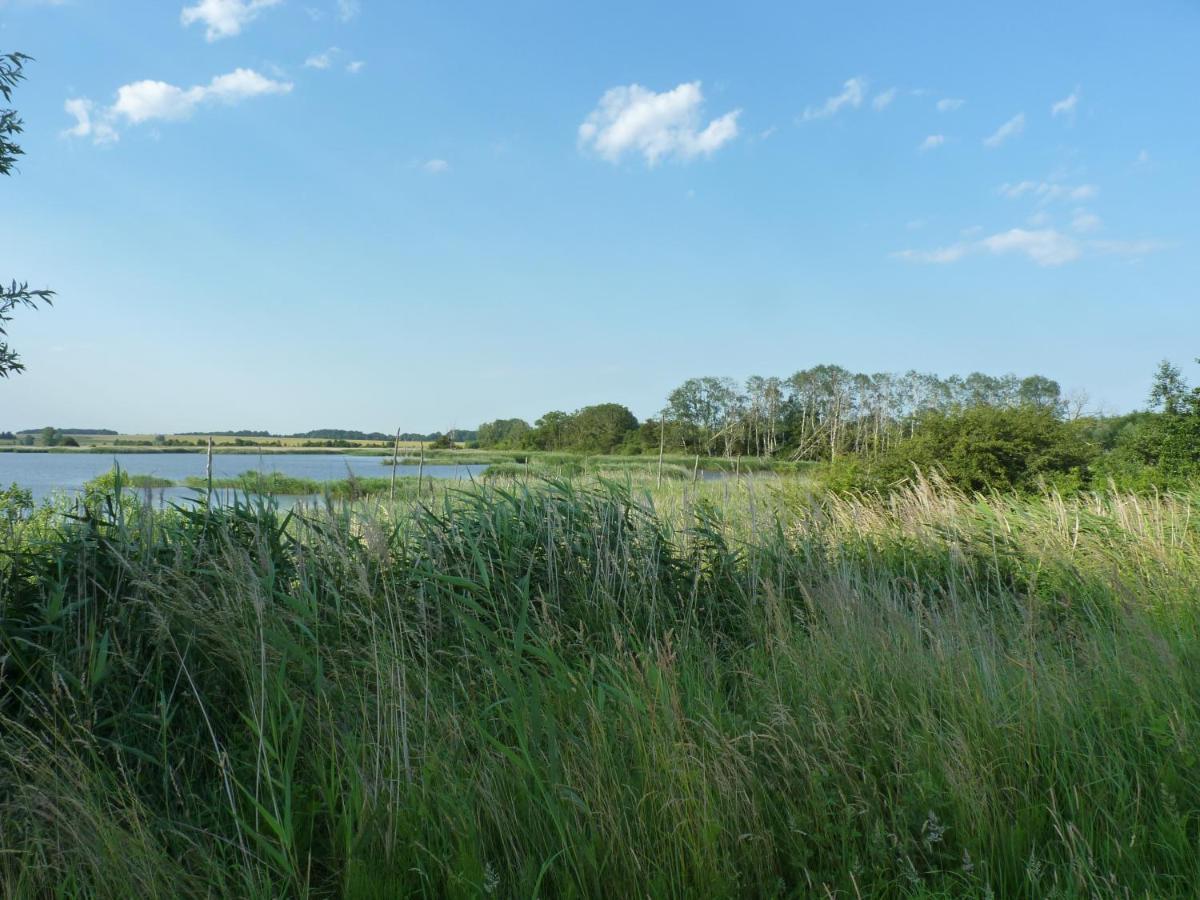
(48, 473)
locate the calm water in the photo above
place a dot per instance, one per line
(49, 473)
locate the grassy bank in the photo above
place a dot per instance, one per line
(576, 463)
(710, 690)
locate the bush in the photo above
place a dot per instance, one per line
(983, 448)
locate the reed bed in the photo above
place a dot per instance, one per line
(604, 688)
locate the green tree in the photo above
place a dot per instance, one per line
(986, 448)
(601, 428)
(502, 433)
(15, 295)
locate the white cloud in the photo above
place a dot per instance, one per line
(1143, 157)
(1133, 249)
(1011, 128)
(852, 95)
(85, 125)
(1065, 106)
(884, 100)
(1045, 247)
(224, 18)
(656, 125)
(1049, 191)
(435, 166)
(355, 66)
(148, 100)
(949, 104)
(1085, 222)
(322, 60)
(932, 142)
(348, 9)
(938, 256)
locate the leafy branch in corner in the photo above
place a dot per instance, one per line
(12, 297)
(15, 295)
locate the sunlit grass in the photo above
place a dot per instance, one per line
(600, 687)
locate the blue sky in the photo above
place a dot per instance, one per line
(313, 213)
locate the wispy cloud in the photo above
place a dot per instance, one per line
(852, 94)
(634, 119)
(435, 167)
(348, 9)
(1132, 249)
(1048, 191)
(1065, 106)
(949, 104)
(355, 66)
(1045, 247)
(322, 60)
(932, 142)
(884, 99)
(1085, 222)
(148, 100)
(1009, 129)
(100, 131)
(224, 18)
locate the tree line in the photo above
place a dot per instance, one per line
(820, 413)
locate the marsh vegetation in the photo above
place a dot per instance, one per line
(600, 687)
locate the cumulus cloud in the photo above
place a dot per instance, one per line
(932, 142)
(853, 92)
(659, 126)
(1045, 247)
(1065, 106)
(883, 100)
(224, 18)
(949, 104)
(1011, 128)
(355, 66)
(435, 167)
(149, 100)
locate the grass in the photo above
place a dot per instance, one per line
(568, 689)
(115, 479)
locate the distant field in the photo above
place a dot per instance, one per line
(194, 442)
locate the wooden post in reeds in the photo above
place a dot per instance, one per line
(421, 469)
(208, 469)
(395, 459)
(696, 469)
(662, 440)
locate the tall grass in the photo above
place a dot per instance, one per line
(556, 689)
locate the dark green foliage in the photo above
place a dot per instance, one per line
(15, 296)
(1161, 450)
(983, 448)
(603, 428)
(502, 434)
